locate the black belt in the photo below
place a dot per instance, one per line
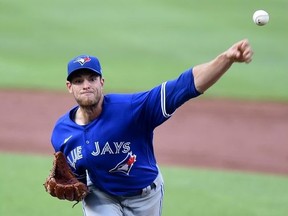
(144, 191)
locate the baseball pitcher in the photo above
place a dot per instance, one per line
(107, 139)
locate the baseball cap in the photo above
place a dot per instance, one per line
(84, 62)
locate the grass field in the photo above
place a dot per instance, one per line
(188, 191)
(140, 44)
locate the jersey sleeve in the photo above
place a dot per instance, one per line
(176, 92)
(157, 105)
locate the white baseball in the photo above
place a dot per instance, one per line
(260, 17)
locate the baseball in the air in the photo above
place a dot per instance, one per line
(260, 17)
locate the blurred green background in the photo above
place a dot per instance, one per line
(188, 192)
(141, 44)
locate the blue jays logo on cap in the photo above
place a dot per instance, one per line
(82, 60)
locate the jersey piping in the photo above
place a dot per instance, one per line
(163, 101)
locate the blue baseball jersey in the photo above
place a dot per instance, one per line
(116, 149)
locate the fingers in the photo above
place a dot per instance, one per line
(244, 51)
(247, 51)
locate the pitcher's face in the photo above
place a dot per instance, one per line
(86, 87)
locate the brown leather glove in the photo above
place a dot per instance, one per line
(62, 183)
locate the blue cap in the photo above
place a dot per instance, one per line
(84, 62)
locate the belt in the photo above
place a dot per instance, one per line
(142, 192)
(148, 189)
